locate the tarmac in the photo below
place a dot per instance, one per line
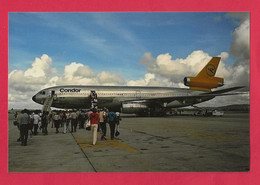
(145, 144)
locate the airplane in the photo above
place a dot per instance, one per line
(141, 100)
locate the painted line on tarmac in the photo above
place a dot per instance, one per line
(84, 154)
(85, 142)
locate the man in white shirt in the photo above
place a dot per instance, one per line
(24, 123)
(36, 119)
(73, 117)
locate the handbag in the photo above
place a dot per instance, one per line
(88, 125)
(117, 131)
(15, 123)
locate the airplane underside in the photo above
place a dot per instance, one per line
(142, 108)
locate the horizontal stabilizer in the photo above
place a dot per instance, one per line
(225, 90)
(202, 95)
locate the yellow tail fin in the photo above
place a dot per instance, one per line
(210, 69)
(205, 79)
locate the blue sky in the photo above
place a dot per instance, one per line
(115, 41)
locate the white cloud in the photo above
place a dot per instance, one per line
(161, 71)
(109, 78)
(24, 84)
(20, 100)
(241, 16)
(175, 70)
(143, 81)
(40, 67)
(77, 73)
(240, 45)
(70, 70)
(172, 71)
(52, 82)
(32, 78)
(84, 71)
(11, 97)
(240, 48)
(165, 68)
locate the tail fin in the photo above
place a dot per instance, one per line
(205, 79)
(210, 69)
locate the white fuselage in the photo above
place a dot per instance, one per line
(115, 97)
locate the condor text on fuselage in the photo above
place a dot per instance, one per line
(64, 90)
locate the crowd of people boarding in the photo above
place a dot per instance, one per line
(64, 121)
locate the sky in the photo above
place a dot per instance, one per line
(127, 48)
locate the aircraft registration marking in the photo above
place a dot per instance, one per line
(86, 143)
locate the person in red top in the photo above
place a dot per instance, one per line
(94, 121)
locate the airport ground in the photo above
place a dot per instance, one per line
(157, 144)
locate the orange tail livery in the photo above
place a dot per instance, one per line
(206, 79)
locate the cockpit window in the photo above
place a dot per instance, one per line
(42, 92)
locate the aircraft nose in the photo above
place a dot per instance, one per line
(34, 98)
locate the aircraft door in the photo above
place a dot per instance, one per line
(52, 94)
(138, 94)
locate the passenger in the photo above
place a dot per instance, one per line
(89, 112)
(102, 122)
(68, 119)
(118, 118)
(99, 129)
(112, 121)
(24, 123)
(49, 119)
(52, 118)
(64, 122)
(85, 118)
(45, 123)
(57, 122)
(95, 102)
(18, 120)
(36, 119)
(40, 121)
(94, 120)
(15, 115)
(81, 120)
(31, 125)
(94, 99)
(60, 121)
(73, 121)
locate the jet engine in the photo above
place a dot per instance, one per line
(134, 107)
(142, 109)
(203, 84)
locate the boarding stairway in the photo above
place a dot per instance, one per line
(94, 100)
(47, 104)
